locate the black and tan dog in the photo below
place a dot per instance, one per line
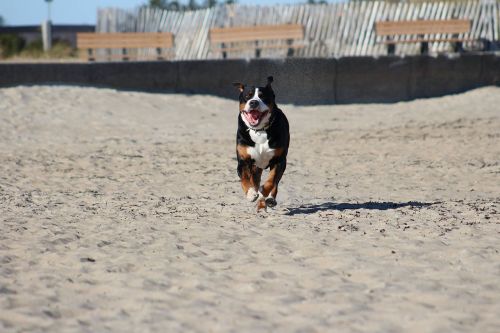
(261, 141)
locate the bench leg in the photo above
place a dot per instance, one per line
(458, 47)
(290, 51)
(158, 54)
(90, 55)
(257, 53)
(424, 48)
(124, 55)
(486, 45)
(391, 49)
(224, 53)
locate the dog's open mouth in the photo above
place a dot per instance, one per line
(254, 116)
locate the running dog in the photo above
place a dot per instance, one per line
(262, 142)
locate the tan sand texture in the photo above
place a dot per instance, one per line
(122, 212)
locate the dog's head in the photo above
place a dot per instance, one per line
(256, 104)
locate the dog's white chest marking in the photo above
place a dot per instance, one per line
(260, 153)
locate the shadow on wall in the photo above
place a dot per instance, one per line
(326, 206)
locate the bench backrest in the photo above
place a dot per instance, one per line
(422, 27)
(254, 33)
(125, 40)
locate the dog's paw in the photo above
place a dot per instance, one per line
(271, 202)
(261, 204)
(252, 194)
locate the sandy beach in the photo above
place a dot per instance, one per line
(122, 212)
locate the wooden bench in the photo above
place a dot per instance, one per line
(89, 43)
(423, 32)
(251, 37)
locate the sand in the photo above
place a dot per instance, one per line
(122, 212)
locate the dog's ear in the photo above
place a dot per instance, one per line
(270, 80)
(239, 85)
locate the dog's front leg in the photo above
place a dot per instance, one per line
(249, 174)
(269, 190)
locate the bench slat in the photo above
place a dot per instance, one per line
(96, 56)
(430, 40)
(256, 33)
(250, 47)
(125, 40)
(422, 27)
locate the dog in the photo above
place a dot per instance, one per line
(262, 142)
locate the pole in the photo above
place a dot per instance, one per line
(47, 35)
(47, 29)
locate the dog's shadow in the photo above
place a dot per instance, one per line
(328, 206)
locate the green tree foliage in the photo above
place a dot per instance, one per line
(158, 4)
(174, 5)
(192, 5)
(10, 45)
(210, 3)
(2, 21)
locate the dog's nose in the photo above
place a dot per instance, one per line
(254, 104)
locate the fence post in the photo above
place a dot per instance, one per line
(47, 35)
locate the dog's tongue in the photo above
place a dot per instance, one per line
(253, 116)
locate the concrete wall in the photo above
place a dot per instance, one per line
(300, 81)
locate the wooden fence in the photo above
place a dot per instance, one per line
(331, 30)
